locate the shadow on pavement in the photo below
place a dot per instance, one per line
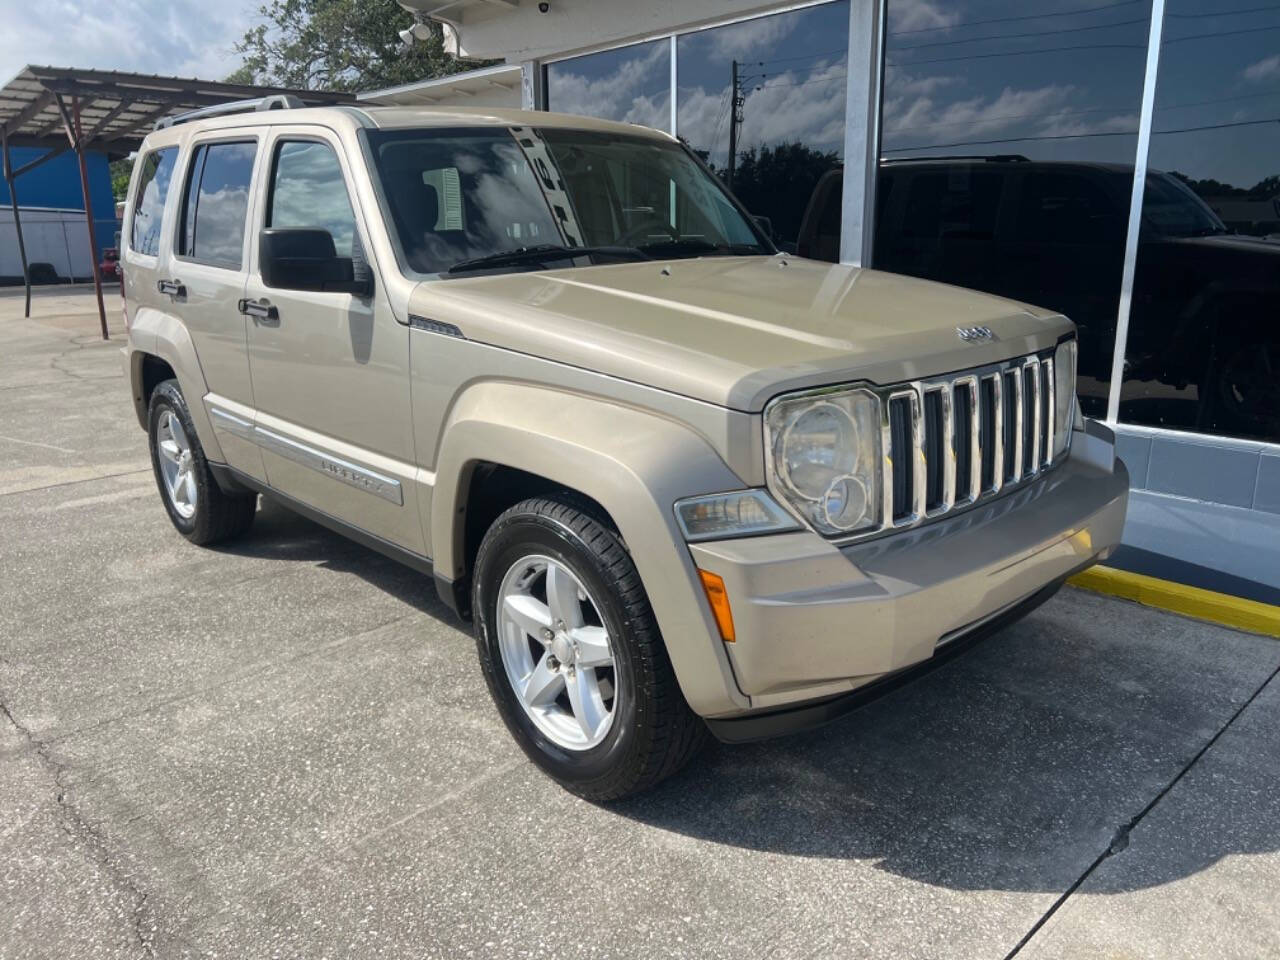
(1010, 768)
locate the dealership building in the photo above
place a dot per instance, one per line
(1118, 160)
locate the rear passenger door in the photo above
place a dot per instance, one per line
(330, 370)
(208, 268)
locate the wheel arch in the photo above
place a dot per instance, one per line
(626, 465)
(160, 343)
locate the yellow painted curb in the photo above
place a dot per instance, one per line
(1190, 601)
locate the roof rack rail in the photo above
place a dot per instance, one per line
(276, 101)
(983, 157)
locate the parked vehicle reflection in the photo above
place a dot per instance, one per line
(1204, 335)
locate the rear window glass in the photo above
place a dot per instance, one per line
(155, 170)
(217, 203)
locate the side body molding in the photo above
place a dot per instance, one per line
(635, 464)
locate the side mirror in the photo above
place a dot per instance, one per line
(305, 259)
(765, 224)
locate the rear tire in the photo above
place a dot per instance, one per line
(197, 506)
(590, 694)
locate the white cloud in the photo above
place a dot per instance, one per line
(805, 106)
(168, 37)
(638, 91)
(751, 37)
(920, 15)
(1263, 69)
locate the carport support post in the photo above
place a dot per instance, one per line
(17, 220)
(78, 140)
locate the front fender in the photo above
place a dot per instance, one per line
(633, 463)
(161, 335)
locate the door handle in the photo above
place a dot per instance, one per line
(260, 311)
(173, 288)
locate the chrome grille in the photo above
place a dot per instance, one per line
(952, 441)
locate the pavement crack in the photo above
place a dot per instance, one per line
(82, 832)
(1120, 839)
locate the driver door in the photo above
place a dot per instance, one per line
(330, 371)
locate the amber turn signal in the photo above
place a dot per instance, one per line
(718, 597)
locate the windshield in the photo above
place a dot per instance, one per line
(490, 199)
(1176, 211)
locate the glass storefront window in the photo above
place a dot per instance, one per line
(1203, 350)
(1008, 143)
(630, 84)
(789, 124)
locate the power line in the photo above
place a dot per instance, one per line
(1072, 113)
(1075, 136)
(1220, 33)
(807, 56)
(1222, 13)
(1020, 53)
(800, 83)
(1023, 36)
(1033, 16)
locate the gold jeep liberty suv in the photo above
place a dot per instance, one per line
(681, 483)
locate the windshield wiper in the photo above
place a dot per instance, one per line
(696, 245)
(543, 252)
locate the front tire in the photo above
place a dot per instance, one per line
(572, 655)
(197, 506)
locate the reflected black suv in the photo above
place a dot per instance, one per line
(1204, 333)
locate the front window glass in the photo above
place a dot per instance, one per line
(154, 174)
(308, 191)
(460, 195)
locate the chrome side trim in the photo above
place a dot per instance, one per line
(353, 475)
(236, 426)
(1051, 409)
(342, 470)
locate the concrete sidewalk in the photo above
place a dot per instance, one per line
(285, 748)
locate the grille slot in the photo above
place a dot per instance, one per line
(955, 440)
(964, 403)
(900, 456)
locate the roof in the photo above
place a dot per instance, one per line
(400, 117)
(117, 109)
(505, 78)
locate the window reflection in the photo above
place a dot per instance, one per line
(1203, 349)
(153, 189)
(1008, 143)
(788, 129)
(217, 203)
(308, 191)
(631, 85)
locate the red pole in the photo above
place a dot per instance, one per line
(88, 218)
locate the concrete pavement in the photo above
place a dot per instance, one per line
(284, 748)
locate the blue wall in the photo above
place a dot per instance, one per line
(57, 184)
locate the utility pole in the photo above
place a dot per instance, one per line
(735, 121)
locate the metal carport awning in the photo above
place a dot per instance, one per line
(63, 109)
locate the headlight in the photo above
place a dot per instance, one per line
(1064, 394)
(824, 458)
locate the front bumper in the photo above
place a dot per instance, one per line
(813, 620)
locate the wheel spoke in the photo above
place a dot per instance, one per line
(179, 435)
(543, 685)
(169, 450)
(593, 646)
(562, 597)
(530, 613)
(189, 487)
(587, 703)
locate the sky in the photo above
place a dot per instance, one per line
(183, 38)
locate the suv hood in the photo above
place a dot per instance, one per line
(736, 331)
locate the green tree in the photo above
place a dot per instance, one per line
(777, 181)
(338, 45)
(121, 170)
